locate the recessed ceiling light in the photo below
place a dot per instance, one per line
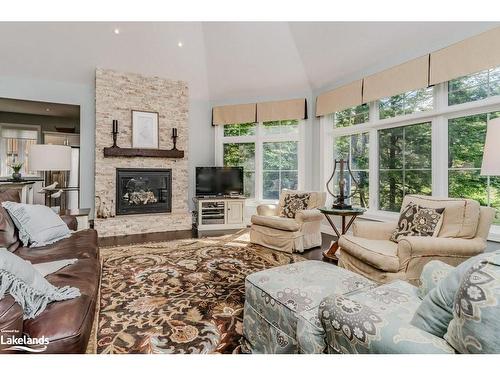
(116, 31)
(180, 44)
(47, 109)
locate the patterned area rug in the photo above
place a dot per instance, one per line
(178, 297)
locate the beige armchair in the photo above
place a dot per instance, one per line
(303, 232)
(369, 251)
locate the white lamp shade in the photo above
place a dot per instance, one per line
(491, 156)
(50, 158)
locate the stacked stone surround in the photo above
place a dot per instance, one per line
(117, 94)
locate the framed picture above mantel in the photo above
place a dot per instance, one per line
(145, 130)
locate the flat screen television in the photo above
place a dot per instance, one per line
(212, 181)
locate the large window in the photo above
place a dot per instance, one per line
(404, 164)
(269, 152)
(354, 148)
(280, 170)
(352, 116)
(474, 87)
(466, 136)
(406, 103)
(242, 155)
(427, 141)
(238, 130)
(14, 147)
(281, 127)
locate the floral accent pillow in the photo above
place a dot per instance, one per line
(476, 307)
(432, 274)
(435, 312)
(294, 203)
(405, 222)
(418, 221)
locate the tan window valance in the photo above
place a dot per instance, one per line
(411, 75)
(294, 109)
(336, 100)
(471, 55)
(234, 114)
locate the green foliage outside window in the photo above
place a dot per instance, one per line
(239, 130)
(352, 116)
(474, 87)
(406, 103)
(405, 165)
(281, 127)
(242, 155)
(355, 149)
(466, 137)
(280, 168)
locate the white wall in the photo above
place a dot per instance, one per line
(201, 140)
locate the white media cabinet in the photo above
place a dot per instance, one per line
(216, 213)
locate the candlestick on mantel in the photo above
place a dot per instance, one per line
(115, 132)
(174, 138)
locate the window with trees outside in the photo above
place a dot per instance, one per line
(466, 137)
(406, 103)
(427, 141)
(404, 164)
(238, 130)
(352, 116)
(280, 168)
(269, 153)
(474, 87)
(354, 149)
(242, 155)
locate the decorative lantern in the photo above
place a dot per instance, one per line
(341, 198)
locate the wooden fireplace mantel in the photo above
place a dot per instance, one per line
(142, 152)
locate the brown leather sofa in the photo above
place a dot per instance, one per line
(66, 324)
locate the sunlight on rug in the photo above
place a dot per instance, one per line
(181, 296)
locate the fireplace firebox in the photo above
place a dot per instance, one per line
(143, 190)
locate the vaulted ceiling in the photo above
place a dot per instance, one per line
(224, 62)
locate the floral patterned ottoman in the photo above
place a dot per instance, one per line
(281, 305)
(378, 321)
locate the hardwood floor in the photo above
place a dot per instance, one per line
(313, 254)
(146, 237)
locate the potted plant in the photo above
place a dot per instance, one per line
(16, 167)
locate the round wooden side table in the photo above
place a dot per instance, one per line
(353, 213)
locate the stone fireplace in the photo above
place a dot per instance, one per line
(143, 190)
(157, 199)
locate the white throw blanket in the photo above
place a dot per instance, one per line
(27, 285)
(51, 267)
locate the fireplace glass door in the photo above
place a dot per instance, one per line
(143, 191)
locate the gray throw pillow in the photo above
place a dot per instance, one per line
(38, 225)
(432, 274)
(27, 286)
(436, 310)
(475, 324)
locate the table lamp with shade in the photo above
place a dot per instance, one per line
(54, 160)
(491, 155)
